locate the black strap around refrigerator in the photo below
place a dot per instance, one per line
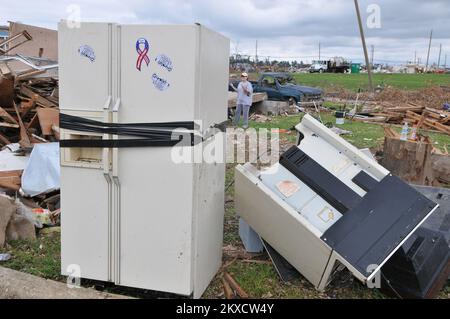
(150, 134)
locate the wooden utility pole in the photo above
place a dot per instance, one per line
(439, 59)
(415, 57)
(363, 40)
(372, 51)
(445, 62)
(256, 52)
(429, 48)
(319, 51)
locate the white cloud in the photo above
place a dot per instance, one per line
(289, 28)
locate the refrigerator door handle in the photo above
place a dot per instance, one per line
(106, 119)
(117, 204)
(107, 175)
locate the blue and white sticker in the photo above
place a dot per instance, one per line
(160, 83)
(87, 51)
(164, 61)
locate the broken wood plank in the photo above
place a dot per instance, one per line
(4, 139)
(56, 131)
(5, 70)
(26, 106)
(37, 139)
(40, 99)
(235, 285)
(34, 122)
(9, 125)
(228, 292)
(28, 73)
(11, 180)
(7, 117)
(405, 108)
(47, 118)
(24, 138)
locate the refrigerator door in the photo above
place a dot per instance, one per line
(156, 196)
(85, 55)
(86, 190)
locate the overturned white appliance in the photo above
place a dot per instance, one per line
(326, 205)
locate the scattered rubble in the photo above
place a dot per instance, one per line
(29, 122)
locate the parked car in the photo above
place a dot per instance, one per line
(282, 87)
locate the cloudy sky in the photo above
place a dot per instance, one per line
(290, 29)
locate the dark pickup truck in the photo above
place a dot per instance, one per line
(282, 87)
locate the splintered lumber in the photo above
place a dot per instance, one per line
(56, 131)
(389, 132)
(24, 138)
(11, 180)
(430, 123)
(26, 106)
(24, 33)
(405, 109)
(29, 73)
(235, 285)
(34, 122)
(4, 139)
(47, 118)
(5, 70)
(228, 292)
(6, 92)
(5, 115)
(42, 101)
(9, 125)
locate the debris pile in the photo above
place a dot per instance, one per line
(415, 161)
(29, 135)
(417, 115)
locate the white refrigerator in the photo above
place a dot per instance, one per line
(134, 216)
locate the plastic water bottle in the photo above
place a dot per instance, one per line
(414, 133)
(404, 133)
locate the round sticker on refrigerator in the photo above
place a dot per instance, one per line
(160, 83)
(87, 51)
(164, 61)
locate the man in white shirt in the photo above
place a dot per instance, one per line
(244, 100)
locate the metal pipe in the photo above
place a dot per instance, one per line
(27, 62)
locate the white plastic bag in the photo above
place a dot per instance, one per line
(41, 175)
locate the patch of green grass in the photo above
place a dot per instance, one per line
(355, 81)
(41, 257)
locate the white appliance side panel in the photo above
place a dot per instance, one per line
(84, 232)
(144, 101)
(209, 212)
(280, 225)
(156, 220)
(213, 82)
(84, 66)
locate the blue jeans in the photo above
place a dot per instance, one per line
(241, 108)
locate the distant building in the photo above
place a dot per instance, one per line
(4, 32)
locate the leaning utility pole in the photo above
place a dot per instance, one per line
(429, 48)
(439, 59)
(363, 40)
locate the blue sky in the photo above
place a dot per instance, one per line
(284, 29)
